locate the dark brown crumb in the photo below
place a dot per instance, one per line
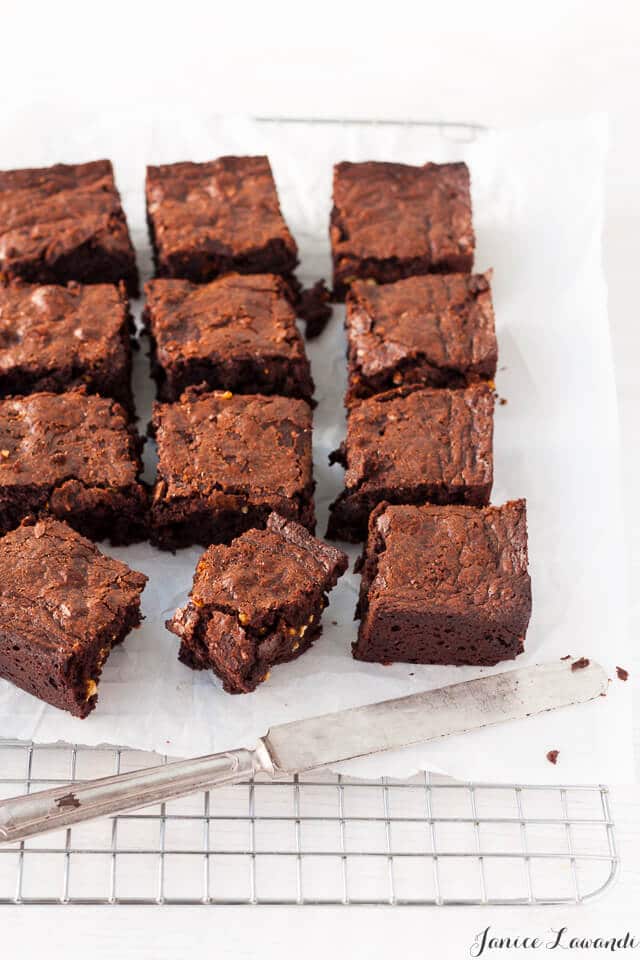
(503, 401)
(566, 657)
(69, 800)
(314, 307)
(334, 623)
(622, 673)
(581, 663)
(552, 756)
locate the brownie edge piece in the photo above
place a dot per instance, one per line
(445, 585)
(75, 457)
(256, 603)
(53, 338)
(206, 219)
(414, 445)
(437, 330)
(225, 462)
(391, 220)
(63, 223)
(63, 608)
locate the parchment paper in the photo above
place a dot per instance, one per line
(537, 198)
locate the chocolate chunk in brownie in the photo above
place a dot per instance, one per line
(210, 218)
(225, 461)
(65, 222)
(391, 220)
(63, 607)
(414, 445)
(237, 333)
(53, 338)
(437, 330)
(256, 603)
(444, 585)
(75, 457)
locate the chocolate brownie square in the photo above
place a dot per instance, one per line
(75, 457)
(437, 330)
(256, 603)
(65, 222)
(63, 608)
(225, 462)
(390, 221)
(53, 338)
(414, 445)
(444, 585)
(210, 218)
(237, 333)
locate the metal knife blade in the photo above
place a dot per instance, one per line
(420, 717)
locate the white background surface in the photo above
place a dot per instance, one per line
(494, 63)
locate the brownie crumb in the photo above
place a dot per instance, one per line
(503, 401)
(552, 756)
(581, 663)
(566, 657)
(622, 673)
(314, 307)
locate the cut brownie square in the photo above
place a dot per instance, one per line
(414, 445)
(237, 333)
(63, 607)
(256, 603)
(225, 461)
(73, 456)
(391, 220)
(53, 338)
(211, 218)
(444, 585)
(65, 222)
(437, 330)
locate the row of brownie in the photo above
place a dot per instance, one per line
(388, 221)
(444, 576)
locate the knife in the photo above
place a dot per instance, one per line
(316, 742)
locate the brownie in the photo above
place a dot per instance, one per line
(210, 218)
(444, 585)
(225, 461)
(414, 445)
(237, 333)
(54, 338)
(62, 610)
(390, 221)
(65, 222)
(256, 602)
(73, 456)
(437, 330)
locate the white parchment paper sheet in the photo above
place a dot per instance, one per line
(537, 198)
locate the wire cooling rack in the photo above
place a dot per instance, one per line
(313, 839)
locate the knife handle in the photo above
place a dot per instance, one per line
(36, 813)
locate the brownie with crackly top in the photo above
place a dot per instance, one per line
(63, 607)
(75, 457)
(256, 603)
(446, 585)
(414, 445)
(225, 462)
(53, 338)
(206, 219)
(63, 223)
(391, 220)
(437, 330)
(236, 333)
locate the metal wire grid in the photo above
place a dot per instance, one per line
(311, 840)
